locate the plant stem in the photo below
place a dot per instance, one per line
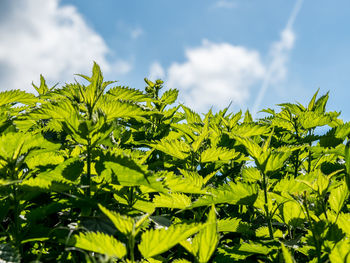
(297, 151)
(16, 217)
(16, 212)
(310, 154)
(316, 241)
(88, 175)
(324, 207)
(266, 207)
(17, 224)
(296, 164)
(290, 232)
(131, 244)
(131, 197)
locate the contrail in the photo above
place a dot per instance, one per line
(270, 69)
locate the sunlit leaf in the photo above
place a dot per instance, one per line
(100, 243)
(123, 223)
(338, 197)
(158, 241)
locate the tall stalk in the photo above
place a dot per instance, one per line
(16, 216)
(314, 237)
(266, 207)
(310, 154)
(297, 151)
(88, 174)
(16, 211)
(131, 245)
(88, 157)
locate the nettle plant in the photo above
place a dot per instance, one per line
(100, 173)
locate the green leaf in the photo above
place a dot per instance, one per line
(320, 105)
(181, 261)
(169, 96)
(344, 223)
(341, 252)
(218, 154)
(176, 148)
(191, 116)
(247, 117)
(38, 182)
(249, 130)
(126, 172)
(43, 159)
(190, 182)
(16, 96)
(42, 89)
(312, 119)
(337, 197)
(286, 255)
(251, 174)
(276, 161)
(292, 213)
(342, 131)
(253, 149)
(126, 93)
(198, 142)
(60, 178)
(242, 251)
(118, 109)
(347, 164)
(123, 223)
(311, 105)
(234, 193)
(296, 109)
(316, 180)
(100, 243)
(158, 241)
(67, 171)
(228, 224)
(205, 242)
(290, 185)
(263, 232)
(174, 200)
(255, 248)
(140, 205)
(274, 200)
(13, 145)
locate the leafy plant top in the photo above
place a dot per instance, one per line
(96, 172)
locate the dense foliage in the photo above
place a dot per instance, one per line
(90, 173)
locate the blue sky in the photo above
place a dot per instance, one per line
(213, 51)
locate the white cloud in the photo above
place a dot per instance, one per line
(39, 36)
(279, 53)
(216, 74)
(225, 4)
(277, 66)
(132, 31)
(156, 71)
(136, 32)
(119, 67)
(278, 56)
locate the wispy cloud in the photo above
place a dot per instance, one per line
(130, 30)
(225, 4)
(278, 56)
(40, 36)
(214, 74)
(136, 32)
